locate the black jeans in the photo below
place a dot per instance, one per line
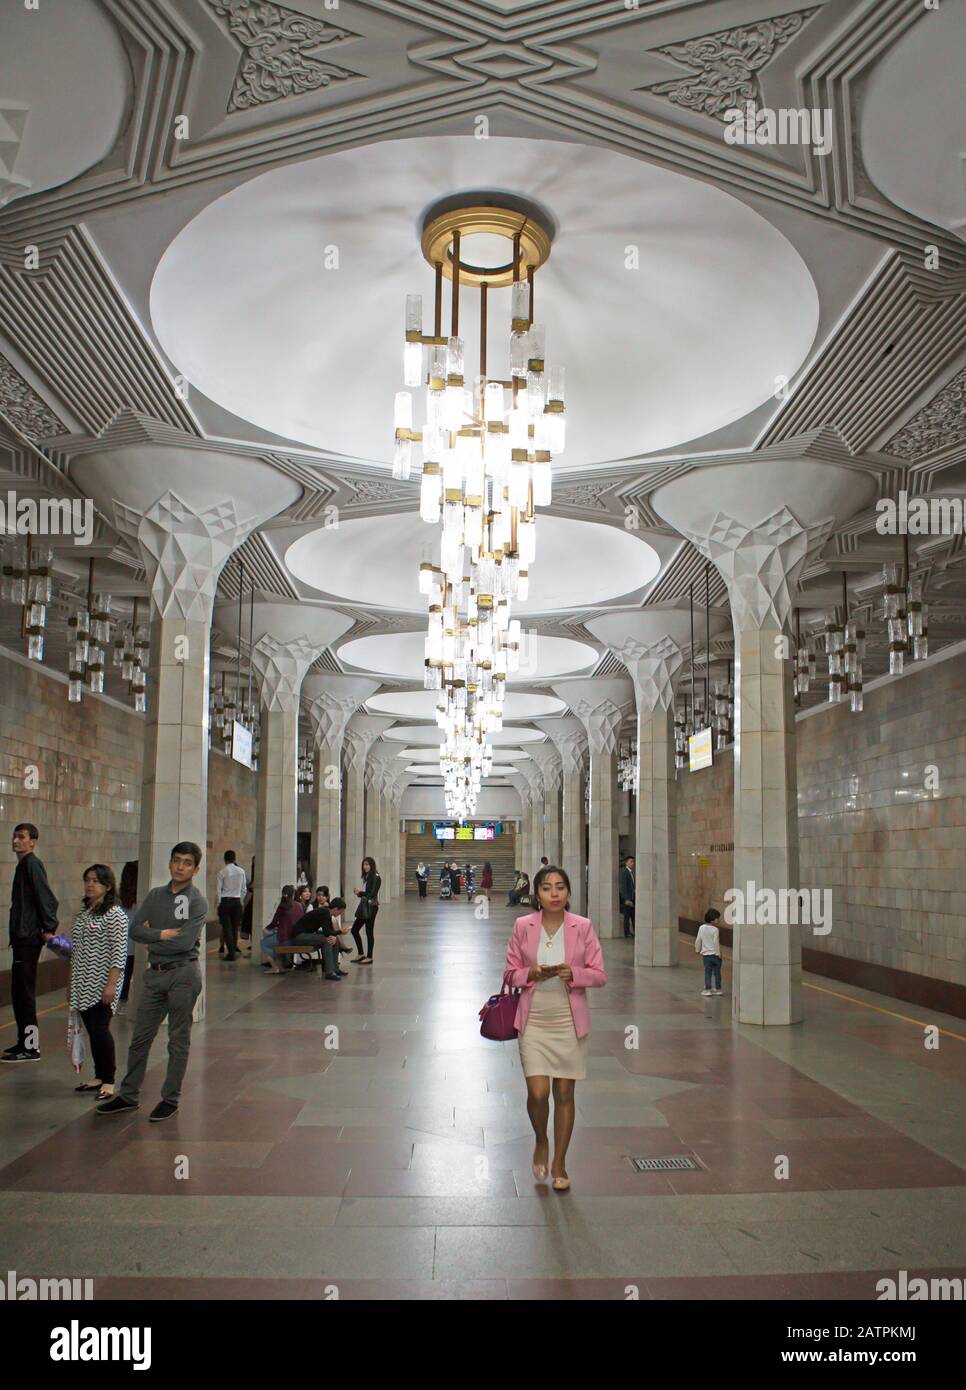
(97, 1021)
(422, 887)
(230, 916)
(370, 926)
(23, 992)
(628, 915)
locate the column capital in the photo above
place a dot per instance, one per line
(761, 564)
(329, 715)
(183, 549)
(282, 667)
(549, 762)
(601, 706)
(361, 732)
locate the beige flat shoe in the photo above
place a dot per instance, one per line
(560, 1184)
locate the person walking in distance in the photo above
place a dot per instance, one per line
(628, 893)
(232, 886)
(33, 920)
(171, 922)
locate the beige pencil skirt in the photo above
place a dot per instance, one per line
(549, 1045)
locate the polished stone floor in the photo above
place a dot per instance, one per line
(363, 1135)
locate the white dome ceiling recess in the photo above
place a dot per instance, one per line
(428, 736)
(65, 86)
(374, 561)
(913, 130)
(241, 300)
(402, 654)
(421, 704)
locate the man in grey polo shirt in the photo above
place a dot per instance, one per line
(171, 922)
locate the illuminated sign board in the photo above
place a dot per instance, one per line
(699, 746)
(241, 743)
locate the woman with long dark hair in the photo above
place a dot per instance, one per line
(367, 909)
(553, 957)
(282, 927)
(97, 960)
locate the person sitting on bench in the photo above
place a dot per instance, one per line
(316, 932)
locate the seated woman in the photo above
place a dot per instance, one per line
(520, 892)
(281, 927)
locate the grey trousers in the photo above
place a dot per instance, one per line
(166, 992)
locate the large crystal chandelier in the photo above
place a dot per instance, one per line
(487, 446)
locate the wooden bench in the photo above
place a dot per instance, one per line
(315, 951)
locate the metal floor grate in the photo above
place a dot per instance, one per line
(676, 1161)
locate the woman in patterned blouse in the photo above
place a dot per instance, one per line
(97, 964)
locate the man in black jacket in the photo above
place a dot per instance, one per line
(628, 895)
(33, 920)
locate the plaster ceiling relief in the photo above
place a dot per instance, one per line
(403, 654)
(375, 561)
(913, 125)
(723, 67)
(421, 704)
(939, 425)
(240, 298)
(281, 52)
(65, 85)
(24, 409)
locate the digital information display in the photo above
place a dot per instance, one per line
(699, 746)
(444, 832)
(241, 743)
(483, 832)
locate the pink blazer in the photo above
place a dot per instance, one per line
(581, 952)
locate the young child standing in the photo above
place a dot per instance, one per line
(707, 943)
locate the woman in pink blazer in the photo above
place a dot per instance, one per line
(554, 957)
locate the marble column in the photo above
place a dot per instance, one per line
(524, 847)
(570, 741)
(286, 639)
(334, 699)
(653, 644)
(547, 760)
(182, 508)
(531, 774)
(183, 552)
(601, 706)
(758, 525)
(361, 733)
(281, 666)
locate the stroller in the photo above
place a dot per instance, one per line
(445, 888)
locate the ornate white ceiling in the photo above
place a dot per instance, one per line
(651, 280)
(596, 87)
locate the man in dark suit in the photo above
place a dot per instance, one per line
(627, 895)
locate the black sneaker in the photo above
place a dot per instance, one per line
(117, 1105)
(162, 1111)
(20, 1054)
(335, 977)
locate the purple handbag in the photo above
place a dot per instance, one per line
(497, 1015)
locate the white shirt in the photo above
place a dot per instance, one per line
(231, 882)
(551, 952)
(707, 941)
